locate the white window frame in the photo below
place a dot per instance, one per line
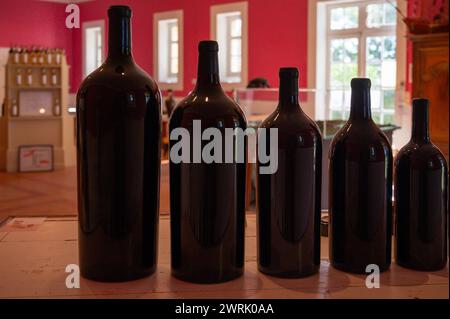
(226, 75)
(318, 31)
(176, 15)
(361, 33)
(87, 25)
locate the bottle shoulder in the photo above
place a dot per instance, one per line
(120, 76)
(209, 106)
(294, 128)
(356, 139)
(421, 155)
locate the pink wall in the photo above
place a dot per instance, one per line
(29, 22)
(277, 34)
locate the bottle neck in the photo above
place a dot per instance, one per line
(119, 37)
(360, 104)
(288, 93)
(420, 129)
(208, 69)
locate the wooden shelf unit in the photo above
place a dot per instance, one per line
(52, 127)
(430, 80)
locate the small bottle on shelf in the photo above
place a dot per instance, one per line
(44, 76)
(58, 56)
(54, 77)
(57, 108)
(25, 56)
(19, 77)
(14, 108)
(41, 58)
(16, 55)
(29, 77)
(49, 56)
(33, 57)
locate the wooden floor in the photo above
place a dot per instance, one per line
(33, 262)
(52, 193)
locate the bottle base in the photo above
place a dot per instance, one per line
(207, 280)
(105, 277)
(288, 274)
(356, 270)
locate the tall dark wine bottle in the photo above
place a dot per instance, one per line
(207, 199)
(289, 199)
(360, 193)
(119, 134)
(421, 198)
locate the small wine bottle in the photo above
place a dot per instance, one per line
(289, 199)
(360, 196)
(421, 198)
(207, 199)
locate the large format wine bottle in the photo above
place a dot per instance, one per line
(119, 133)
(360, 191)
(289, 199)
(421, 198)
(207, 199)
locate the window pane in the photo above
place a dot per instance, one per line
(344, 61)
(236, 27)
(347, 99)
(336, 115)
(174, 66)
(336, 99)
(376, 117)
(373, 45)
(379, 15)
(351, 50)
(389, 48)
(375, 97)
(389, 99)
(174, 50)
(337, 19)
(235, 47)
(388, 73)
(373, 72)
(174, 33)
(336, 75)
(344, 18)
(337, 49)
(388, 118)
(390, 15)
(351, 17)
(235, 65)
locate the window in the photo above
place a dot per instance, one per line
(361, 42)
(229, 28)
(168, 48)
(93, 45)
